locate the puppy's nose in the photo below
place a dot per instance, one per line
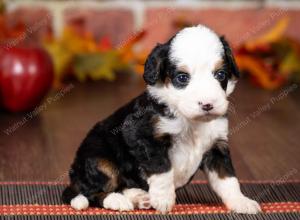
(207, 107)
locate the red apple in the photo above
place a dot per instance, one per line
(26, 75)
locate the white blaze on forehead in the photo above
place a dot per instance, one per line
(196, 48)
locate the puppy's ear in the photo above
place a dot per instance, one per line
(229, 59)
(155, 64)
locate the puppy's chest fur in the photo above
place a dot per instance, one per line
(189, 143)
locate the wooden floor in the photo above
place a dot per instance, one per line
(264, 137)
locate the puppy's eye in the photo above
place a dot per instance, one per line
(182, 78)
(220, 75)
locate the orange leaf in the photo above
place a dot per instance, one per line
(257, 70)
(105, 44)
(132, 40)
(272, 35)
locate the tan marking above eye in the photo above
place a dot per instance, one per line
(218, 65)
(183, 69)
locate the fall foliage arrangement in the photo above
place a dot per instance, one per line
(271, 60)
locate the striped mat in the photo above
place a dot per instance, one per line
(41, 200)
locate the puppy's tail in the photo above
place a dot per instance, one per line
(68, 194)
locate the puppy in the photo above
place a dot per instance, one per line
(141, 154)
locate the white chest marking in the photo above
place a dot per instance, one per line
(190, 142)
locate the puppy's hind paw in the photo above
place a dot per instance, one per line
(117, 201)
(80, 202)
(243, 205)
(143, 201)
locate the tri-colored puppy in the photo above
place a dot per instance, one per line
(141, 154)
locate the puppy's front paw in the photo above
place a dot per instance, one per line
(243, 204)
(163, 201)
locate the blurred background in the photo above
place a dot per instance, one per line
(64, 65)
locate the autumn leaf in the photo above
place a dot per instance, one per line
(257, 69)
(274, 34)
(89, 59)
(97, 66)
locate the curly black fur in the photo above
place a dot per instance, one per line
(126, 139)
